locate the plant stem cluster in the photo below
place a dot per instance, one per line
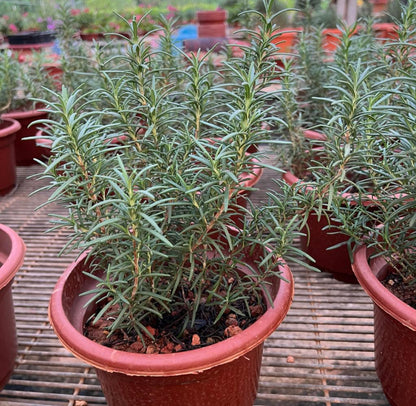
(153, 167)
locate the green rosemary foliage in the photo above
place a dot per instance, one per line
(8, 80)
(75, 57)
(155, 180)
(23, 82)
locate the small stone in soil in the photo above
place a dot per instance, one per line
(196, 340)
(151, 349)
(231, 331)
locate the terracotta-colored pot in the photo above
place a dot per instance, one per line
(223, 374)
(8, 130)
(211, 16)
(205, 44)
(54, 69)
(379, 6)
(286, 39)
(212, 23)
(212, 30)
(385, 31)
(94, 36)
(249, 181)
(394, 331)
(44, 145)
(331, 39)
(12, 251)
(26, 150)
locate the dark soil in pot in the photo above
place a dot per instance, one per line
(406, 292)
(167, 334)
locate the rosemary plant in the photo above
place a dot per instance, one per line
(368, 178)
(155, 182)
(22, 82)
(76, 58)
(8, 80)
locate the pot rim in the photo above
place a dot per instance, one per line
(368, 275)
(10, 129)
(22, 114)
(186, 362)
(10, 262)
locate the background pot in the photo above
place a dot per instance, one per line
(21, 39)
(12, 251)
(287, 39)
(8, 129)
(223, 374)
(205, 44)
(394, 331)
(26, 150)
(93, 36)
(212, 23)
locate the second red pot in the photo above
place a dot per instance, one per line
(26, 150)
(394, 331)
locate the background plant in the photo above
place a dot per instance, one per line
(8, 80)
(17, 16)
(368, 178)
(21, 83)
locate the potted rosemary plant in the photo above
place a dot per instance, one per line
(330, 88)
(168, 298)
(379, 216)
(8, 127)
(30, 81)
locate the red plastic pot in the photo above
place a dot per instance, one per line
(331, 39)
(212, 23)
(223, 374)
(386, 31)
(394, 331)
(212, 30)
(8, 130)
(12, 251)
(26, 150)
(211, 16)
(94, 36)
(379, 6)
(286, 39)
(54, 69)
